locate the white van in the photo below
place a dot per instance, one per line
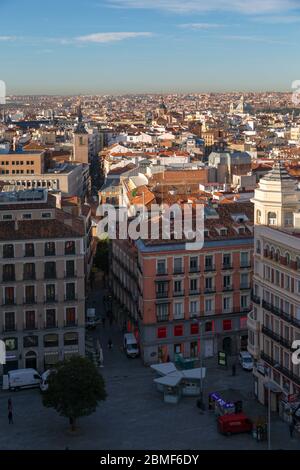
(246, 360)
(130, 345)
(23, 378)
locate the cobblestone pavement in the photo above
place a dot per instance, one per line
(134, 415)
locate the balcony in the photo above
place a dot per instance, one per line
(50, 275)
(162, 295)
(50, 300)
(209, 290)
(210, 268)
(71, 324)
(255, 298)
(50, 325)
(9, 302)
(194, 292)
(281, 314)
(29, 277)
(162, 318)
(8, 278)
(194, 269)
(30, 301)
(179, 293)
(71, 298)
(9, 328)
(70, 274)
(178, 270)
(29, 326)
(226, 266)
(278, 338)
(162, 272)
(245, 286)
(227, 288)
(289, 374)
(246, 265)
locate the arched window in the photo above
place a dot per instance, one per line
(287, 258)
(71, 339)
(266, 250)
(277, 255)
(258, 217)
(272, 252)
(272, 218)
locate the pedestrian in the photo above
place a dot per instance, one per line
(109, 343)
(10, 417)
(9, 404)
(292, 427)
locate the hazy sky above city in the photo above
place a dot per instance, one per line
(118, 46)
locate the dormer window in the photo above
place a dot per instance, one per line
(223, 232)
(272, 218)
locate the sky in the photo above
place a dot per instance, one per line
(155, 46)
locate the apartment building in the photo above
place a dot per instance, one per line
(22, 163)
(274, 322)
(171, 297)
(42, 271)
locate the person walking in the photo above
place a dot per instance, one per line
(291, 427)
(10, 411)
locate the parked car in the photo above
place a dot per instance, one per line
(21, 378)
(234, 424)
(246, 360)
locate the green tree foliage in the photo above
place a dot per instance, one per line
(75, 389)
(101, 260)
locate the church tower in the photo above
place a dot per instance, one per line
(80, 140)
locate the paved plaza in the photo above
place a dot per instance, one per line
(134, 415)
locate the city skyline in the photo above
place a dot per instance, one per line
(136, 46)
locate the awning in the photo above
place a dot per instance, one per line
(198, 373)
(273, 387)
(170, 380)
(164, 368)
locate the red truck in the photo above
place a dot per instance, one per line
(234, 423)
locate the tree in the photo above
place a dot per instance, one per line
(101, 258)
(75, 389)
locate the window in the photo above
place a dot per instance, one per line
(8, 251)
(70, 248)
(272, 218)
(9, 320)
(161, 332)
(227, 260)
(162, 312)
(209, 326)
(50, 270)
(161, 266)
(30, 320)
(50, 293)
(178, 287)
(29, 294)
(209, 305)
(70, 339)
(227, 304)
(178, 265)
(245, 259)
(71, 316)
(29, 249)
(227, 282)
(7, 217)
(50, 318)
(194, 329)
(50, 341)
(178, 330)
(243, 323)
(178, 310)
(244, 301)
(208, 284)
(194, 307)
(29, 271)
(161, 289)
(288, 219)
(194, 264)
(27, 216)
(70, 291)
(227, 325)
(70, 268)
(244, 281)
(8, 272)
(9, 296)
(46, 215)
(208, 263)
(258, 217)
(30, 341)
(193, 285)
(50, 249)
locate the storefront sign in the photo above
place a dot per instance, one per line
(222, 358)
